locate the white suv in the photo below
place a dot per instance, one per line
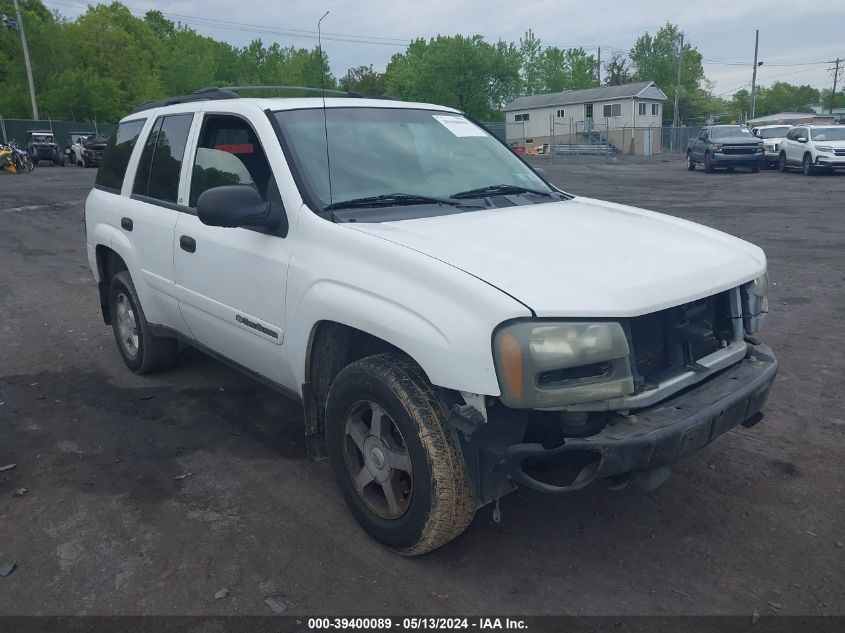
(772, 137)
(452, 323)
(813, 148)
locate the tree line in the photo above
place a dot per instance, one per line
(107, 61)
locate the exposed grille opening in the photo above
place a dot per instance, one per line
(551, 428)
(672, 340)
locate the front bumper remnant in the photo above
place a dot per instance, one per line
(659, 435)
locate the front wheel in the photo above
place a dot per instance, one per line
(708, 164)
(690, 162)
(782, 162)
(395, 461)
(807, 165)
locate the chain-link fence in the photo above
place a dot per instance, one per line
(16, 130)
(605, 141)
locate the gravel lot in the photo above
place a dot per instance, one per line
(752, 523)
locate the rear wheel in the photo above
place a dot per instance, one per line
(807, 165)
(708, 164)
(690, 163)
(142, 352)
(396, 462)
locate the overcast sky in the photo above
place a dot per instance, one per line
(794, 34)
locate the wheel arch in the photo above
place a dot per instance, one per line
(109, 262)
(331, 346)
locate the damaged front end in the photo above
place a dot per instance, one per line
(678, 379)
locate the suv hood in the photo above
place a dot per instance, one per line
(582, 257)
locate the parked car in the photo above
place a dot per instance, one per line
(42, 147)
(70, 147)
(727, 146)
(89, 150)
(772, 137)
(813, 148)
(452, 323)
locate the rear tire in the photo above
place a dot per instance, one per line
(397, 464)
(141, 350)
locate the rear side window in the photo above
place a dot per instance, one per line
(117, 154)
(161, 161)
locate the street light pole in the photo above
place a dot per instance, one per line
(26, 61)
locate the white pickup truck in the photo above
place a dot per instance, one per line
(453, 324)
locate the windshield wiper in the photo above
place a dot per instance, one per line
(498, 190)
(391, 199)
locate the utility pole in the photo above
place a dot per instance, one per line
(754, 75)
(675, 121)
(835, 78)
(27, 62)
(598, 70)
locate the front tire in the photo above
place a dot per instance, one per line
(396, 462)
(708, 164)
(807, 165)
(142, 351)
(690, 163)
(782, 162)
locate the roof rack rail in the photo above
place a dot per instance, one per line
(231, 92)
(303, 88)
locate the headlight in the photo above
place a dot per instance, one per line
(545, 364)
(755, 303)
(716, 147)
(824, 148)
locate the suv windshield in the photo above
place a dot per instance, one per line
(401, 155)
(828, 133)
(773, 132)
(729, 131)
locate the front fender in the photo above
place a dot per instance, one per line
(440, 316)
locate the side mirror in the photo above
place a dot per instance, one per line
(802, 139)
(235, 205)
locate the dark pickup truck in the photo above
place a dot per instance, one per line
(725, 146)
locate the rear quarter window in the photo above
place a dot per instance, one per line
(117, 154)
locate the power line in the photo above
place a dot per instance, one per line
(256, 28)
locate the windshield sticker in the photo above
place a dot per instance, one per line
(459, 126)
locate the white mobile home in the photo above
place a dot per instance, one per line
(628, 116)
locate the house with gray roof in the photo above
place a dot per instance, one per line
(628, 117)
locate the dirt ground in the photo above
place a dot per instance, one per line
(752, 523)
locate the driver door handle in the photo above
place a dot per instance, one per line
(187, 243)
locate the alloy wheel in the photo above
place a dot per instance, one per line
(377, 460)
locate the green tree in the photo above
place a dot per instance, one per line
(363, 80)
(565, 69)
(466, 73)
(656, 59)
(531, 49)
